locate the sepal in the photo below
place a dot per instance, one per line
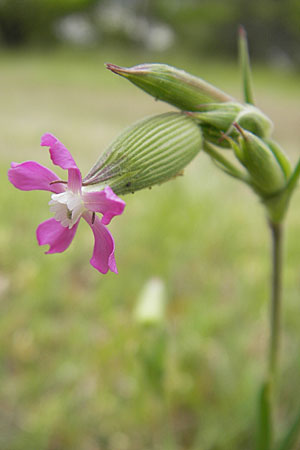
(149, 152)
(266, 173)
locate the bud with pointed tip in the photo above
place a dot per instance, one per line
(266, 173)
(171, 85)
(149, 152)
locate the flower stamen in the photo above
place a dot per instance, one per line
(58, 181)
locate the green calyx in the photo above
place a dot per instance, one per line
(277, 205)
(171, 85)
(149, 152)
(266, 173)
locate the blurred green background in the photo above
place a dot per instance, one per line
(78, 370)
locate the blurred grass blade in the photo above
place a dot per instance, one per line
(245, 65)
(264, 438)
(291, 438)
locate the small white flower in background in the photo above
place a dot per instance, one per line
(150, 307)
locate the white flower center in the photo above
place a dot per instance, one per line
(67, 208)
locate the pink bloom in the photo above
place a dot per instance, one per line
(69, 202)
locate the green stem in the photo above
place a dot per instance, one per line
(269, 389)
(276, 294)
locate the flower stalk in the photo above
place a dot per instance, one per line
(276, 298)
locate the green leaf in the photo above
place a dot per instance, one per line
(289, 441)
(264, 437)
(223, 163)
(245, 66)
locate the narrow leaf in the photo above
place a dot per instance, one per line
(223, 163)
(293, 181)
(245, 66)
(290, 439)
(264, 438)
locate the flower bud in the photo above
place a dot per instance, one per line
(221, 116)
(252, 119)
(149, 152)
(172, 85)
(281, 157)
(266, 173)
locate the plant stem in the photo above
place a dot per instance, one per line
(266, 433)
(276, 294)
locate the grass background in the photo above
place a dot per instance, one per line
(77, 370)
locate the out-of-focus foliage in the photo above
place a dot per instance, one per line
(273, 26)
(78, 369)
(204, 26)
(25, 21)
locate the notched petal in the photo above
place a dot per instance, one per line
(59, 154)
(103, 258)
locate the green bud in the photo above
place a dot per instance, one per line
(219, 115)
(265, 171)
(172, 85)
(222, 116)
(252, 119)
(149, 152)
(281, 157)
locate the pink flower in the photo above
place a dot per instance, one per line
(69, 202)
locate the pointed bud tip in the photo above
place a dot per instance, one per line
(124, 71)
(114, 68)
(240, 130)
(242, 32)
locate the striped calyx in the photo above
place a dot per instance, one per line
(149, 152)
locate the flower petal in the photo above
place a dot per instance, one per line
(59, 154)
(31, 175)
(103, 258)
(74, 180)
(55, 235)
(106, 202)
